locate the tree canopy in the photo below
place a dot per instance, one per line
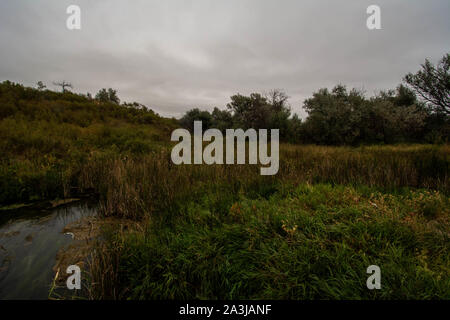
(432, 84)
(415, 112)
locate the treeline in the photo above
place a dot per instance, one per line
(347, 117)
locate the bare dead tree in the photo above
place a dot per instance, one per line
(63, 84)
(277, 98)
(40, 85)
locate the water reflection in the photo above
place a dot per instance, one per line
(29, 241)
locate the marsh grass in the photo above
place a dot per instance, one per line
(305, 242)
(310, 232)
(133, 187)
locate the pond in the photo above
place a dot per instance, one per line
(29, 242)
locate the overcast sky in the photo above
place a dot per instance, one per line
(176, 55)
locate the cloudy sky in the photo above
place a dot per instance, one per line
(176, 55)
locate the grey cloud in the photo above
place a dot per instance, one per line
(175, 55)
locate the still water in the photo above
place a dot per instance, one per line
(29, 242)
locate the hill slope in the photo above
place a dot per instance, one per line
(46, 137)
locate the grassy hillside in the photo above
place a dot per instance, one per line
(48, 137)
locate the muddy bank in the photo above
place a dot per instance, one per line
(87, 236)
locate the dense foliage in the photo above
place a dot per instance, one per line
(432, 83)
(347, 117)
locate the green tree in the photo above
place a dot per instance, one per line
(295, 132)
(40, 85)
(187, 121)
(342, 117)
(333, 117)
(109, 95)
(221, 119)
(280, 111)
(250, 112)
(432, 83)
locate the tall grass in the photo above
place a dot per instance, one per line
(152, 185)
(225, 232)
(304, 242)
